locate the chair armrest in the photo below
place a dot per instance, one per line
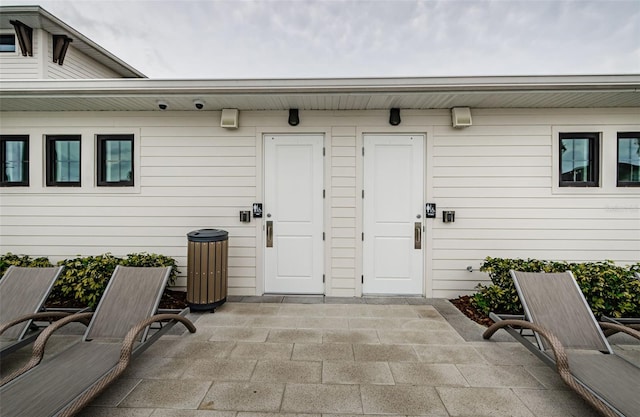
(41, 341)
(33, 316)
(125, 357)
(561, 360)
(611, 328)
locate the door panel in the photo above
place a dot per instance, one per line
(393, 204)
(293, 203)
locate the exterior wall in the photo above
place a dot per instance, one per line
(76, 65)
(15, 66)
(498, 175)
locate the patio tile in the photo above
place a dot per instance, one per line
(506, 354)
(320, 398)
(427, 374)
(377, 323)
(295, 336)
(323, 323)
(220, 369)
(554, 403)
(238, 396)
(498, 376)
(547, 376)
(407, 312)
(222, 320)
(350, 336)
(254, 414)
(483, 402)
(425, 337)
(192, 413)
(115, 393)
(401, 399)
(273, 322)
(167, 394)
(240, 334)
(150, 367)
(422, 324)
(322, 351)
(304, 300)
(93, 411)
(448, 354)
(348, 372)
(198, 349)
(263, 350)
(301, 372)
(375, 352)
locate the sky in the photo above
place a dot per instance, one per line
(240, 39)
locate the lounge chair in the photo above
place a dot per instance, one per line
(23, 292)
(65, 383)
(568, 337)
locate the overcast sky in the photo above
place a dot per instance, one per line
(359, 38)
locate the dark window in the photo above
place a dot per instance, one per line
(579, 159)
(115, 160)
(63, 160)
(629, 159)
(14, 156)
(7, 43)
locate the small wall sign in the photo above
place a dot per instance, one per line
(430, 211)
(257, 210)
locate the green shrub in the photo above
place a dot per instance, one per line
(85, 278)
(609, 289)
(9, 259)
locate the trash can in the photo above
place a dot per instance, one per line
(207, 269)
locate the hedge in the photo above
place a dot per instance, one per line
(610, 289)
(85, 278)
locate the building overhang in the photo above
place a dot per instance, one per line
(323, 94)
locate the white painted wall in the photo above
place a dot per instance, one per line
(498, 175)
(76, 65)
(15, 66)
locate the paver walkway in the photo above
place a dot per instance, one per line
(253, 359)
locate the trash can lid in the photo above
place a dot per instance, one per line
(207, 235)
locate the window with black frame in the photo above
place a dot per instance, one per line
(628, 170)
(14, 157)
(115, 160)
(579, 159)
(63, 160)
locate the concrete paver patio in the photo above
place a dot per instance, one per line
(253, 359)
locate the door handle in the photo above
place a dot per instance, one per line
(269, 233)
(417, 235)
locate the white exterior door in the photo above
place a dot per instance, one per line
(393, 214)
(293, 214)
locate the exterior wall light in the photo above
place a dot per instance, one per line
(394, 117)
(294, 118)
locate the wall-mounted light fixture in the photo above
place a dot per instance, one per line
(60, 46)
(24, 34)
(461, 117)
(229, 118)
(394, 117)
(294, 118)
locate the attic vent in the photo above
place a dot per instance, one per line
(60, 45)
(25, 37)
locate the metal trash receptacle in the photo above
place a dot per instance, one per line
(207, 269)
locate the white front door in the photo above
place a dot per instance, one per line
(293, 214)
(393, 214)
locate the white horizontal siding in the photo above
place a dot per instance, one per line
(15, 66)
(496, 175)
(76, 65)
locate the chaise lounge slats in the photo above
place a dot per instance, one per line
(571, 322)
(611, 378)
(65, 383)
(58, 381)
(569, 338)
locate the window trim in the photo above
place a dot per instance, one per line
(50, 165)
(594, 158)
(101, 139)
(624, 135)
(25, 161)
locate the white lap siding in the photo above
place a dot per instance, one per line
(498, 176)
